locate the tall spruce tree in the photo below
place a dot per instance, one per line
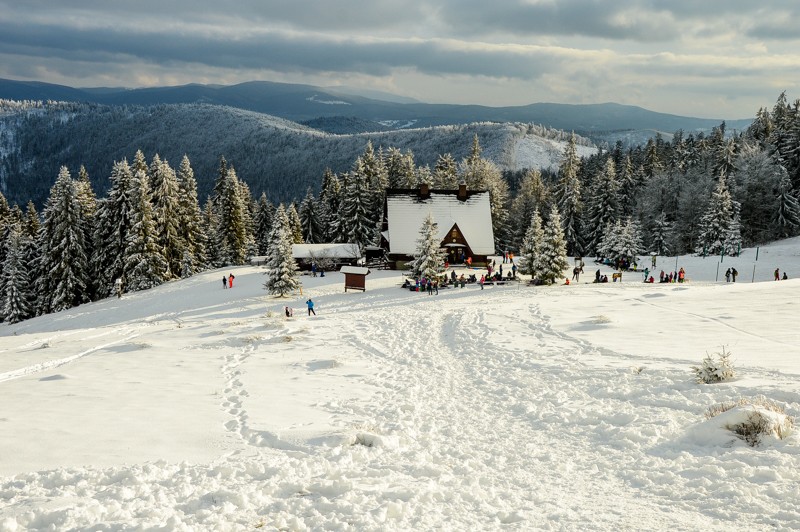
(717, 221)
(787, 216)
(295, 226)
(16, 296)
(312, 233)
(190, 227)
(233, 223)
(167, 219)
(568, 197)
(145, 266)
(282, 268)
(64, 267)
(264, 214)
(357, 226)
(114, 221)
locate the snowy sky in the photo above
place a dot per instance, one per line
(707, 59)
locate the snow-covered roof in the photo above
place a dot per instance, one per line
(325, 251)
(354, 269)
(406, 211)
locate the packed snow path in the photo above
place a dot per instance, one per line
(395, 410)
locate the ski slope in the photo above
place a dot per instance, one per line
(190, 407)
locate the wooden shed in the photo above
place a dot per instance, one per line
(355, 277)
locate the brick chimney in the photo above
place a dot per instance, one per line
(462, 192)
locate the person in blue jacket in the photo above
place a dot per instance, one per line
(310, 307)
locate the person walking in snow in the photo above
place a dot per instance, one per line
(483, 280)
(777, 274)
(728, 276)
(734, 273)
(313, 269)
(118, 287)
(310, 305)
(224, 282)
(576, 273)
(230, 281)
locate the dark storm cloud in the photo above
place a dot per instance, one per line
(273, 51)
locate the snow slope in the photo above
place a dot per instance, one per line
(190, 407)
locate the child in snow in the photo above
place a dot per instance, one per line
(224, 282)
(289, 311)
(310, 305)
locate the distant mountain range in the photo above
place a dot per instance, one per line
(344, 111)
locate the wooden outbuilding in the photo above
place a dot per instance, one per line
(355, 277)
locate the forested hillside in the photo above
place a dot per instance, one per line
(270, 154)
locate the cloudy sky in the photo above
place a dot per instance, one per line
(715, 59)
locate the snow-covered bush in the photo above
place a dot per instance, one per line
(715, 370)
(753, 419)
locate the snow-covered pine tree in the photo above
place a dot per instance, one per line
(717, 220)
(660, 235)
(330, 199)
(112, 229)
(312, 233)
(64, 265)
(145, 266)
(190, 227)
(533, 194)
(568, 197)
(282, 268)
(428, 258)
(233, 225)
(603, 205)
(295, 226)
(445, 173)
(16, 296)
(167, 216)
(532, 247)
(264, 214)
(249, 219)
(787, 217)
(553, 249)
(211, 238)
(356, 224)
(482, 174)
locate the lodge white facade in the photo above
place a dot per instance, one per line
(463, 218)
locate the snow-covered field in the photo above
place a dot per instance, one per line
(190, 407)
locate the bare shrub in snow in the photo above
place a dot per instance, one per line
(715, 370)
(753, 419)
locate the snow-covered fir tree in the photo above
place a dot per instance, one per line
(553, 249)
(568, 197)
(622, 241)
(282, 268)
(330, 199)
(716, 223)
(233, 226)
(660, 235)
(145, 265)
(356, 224)
(532, 195)
(113, 225)
(264, 214)
(532, 248)
(428, 258)
(603, 204)
(445, 173)
(787, 216)
(190, 227)
(312, 233)
(64, 266)
(16, 296)
(295, 225)
(211, 238)
(167, 216)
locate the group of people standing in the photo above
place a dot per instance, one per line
(778, 275)
(227, 282)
